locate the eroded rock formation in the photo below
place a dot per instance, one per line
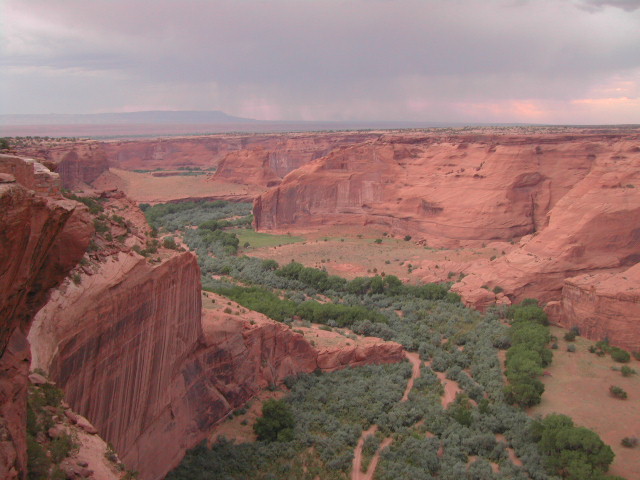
(130, 349)
(595, 227)
(452, 189)
(42, 236)
(602, 305)
(82, 165)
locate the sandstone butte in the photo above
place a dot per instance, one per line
(43, 236)
(570, 201)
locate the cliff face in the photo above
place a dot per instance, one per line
(41, 239)
(129, 349)
(595, 227)
(115, 343)
(286, 151)
(603, 305)
(265, 162)
(82, 165)
(412, 184)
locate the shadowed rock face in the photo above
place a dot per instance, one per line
(266, 161)
(82, 165)
(131, 350)
(120, 343)
(41, 239)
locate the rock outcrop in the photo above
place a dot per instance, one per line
(595, 227)
(130, 349)
(115, 343)
(286, 151)
(602, 305)
(82, 165)
(41, 239)
(571, 201)
(412, 184)
(265, 161)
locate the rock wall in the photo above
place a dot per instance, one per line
(41, 239)
(31, 174)
(115, 343)
(603, 305)
(132, 353)
(287, 151)
(595, 227)
(571, 201)
(265, 161)
(82, 165)
(413, 183)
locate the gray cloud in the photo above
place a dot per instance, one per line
(324, 59)
(628, 5)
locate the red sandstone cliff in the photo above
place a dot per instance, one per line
(132, 353)
(83, 164)
(266, 160)
(602, 305)
(42, 236)
(286, 151)
(571, 201)
(594, 227)
(452, 189)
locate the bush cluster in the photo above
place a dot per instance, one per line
(528, 354)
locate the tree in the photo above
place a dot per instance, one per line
(276, 422)
(576, 453)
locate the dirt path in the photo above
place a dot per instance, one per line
(414, 358)
(451, 389)
(356, 473)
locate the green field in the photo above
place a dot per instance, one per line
(259, 240)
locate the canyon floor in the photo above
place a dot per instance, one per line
(578, 385)
(354, 252)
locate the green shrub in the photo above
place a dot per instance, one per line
(61, 447)
(571, 348)
(100, 225)
(38, 461)
(618, 392)
(619, 355)
(627, 371)
(170, 243)
(629, 442)
(572, 452)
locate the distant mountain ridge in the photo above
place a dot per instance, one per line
(125, 118)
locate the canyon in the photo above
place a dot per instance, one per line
(129, 342)
(569, 202)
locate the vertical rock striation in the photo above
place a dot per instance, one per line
(120, 340)
(135, 355)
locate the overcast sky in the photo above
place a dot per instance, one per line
(540, 61)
